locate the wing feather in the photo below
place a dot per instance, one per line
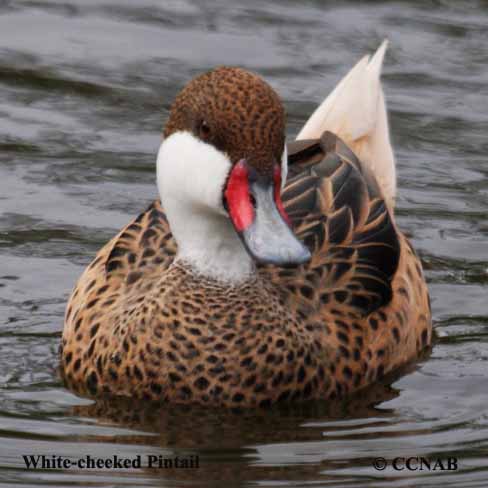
(337, 209)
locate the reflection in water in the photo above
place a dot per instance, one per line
(228, 442)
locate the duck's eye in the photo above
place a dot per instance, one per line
(204, 129)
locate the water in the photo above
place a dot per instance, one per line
(85, 89)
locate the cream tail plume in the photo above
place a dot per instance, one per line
(356, 112)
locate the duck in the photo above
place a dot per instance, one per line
(267, 272)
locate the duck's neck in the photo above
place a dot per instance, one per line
(208, 244)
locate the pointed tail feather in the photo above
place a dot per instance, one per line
(356, 112)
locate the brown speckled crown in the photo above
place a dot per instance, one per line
(237, 112)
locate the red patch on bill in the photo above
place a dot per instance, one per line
(238, 198)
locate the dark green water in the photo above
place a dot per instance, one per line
(85, 87)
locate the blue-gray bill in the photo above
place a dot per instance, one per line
(269, 239)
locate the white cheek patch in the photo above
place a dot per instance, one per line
(284, 167)
(191, 178)
(191, 170)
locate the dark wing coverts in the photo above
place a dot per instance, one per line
(337, 209)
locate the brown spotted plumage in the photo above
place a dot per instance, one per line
(141, 324)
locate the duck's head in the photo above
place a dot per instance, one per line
(224, 157)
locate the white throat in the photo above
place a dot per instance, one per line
(191, 176)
